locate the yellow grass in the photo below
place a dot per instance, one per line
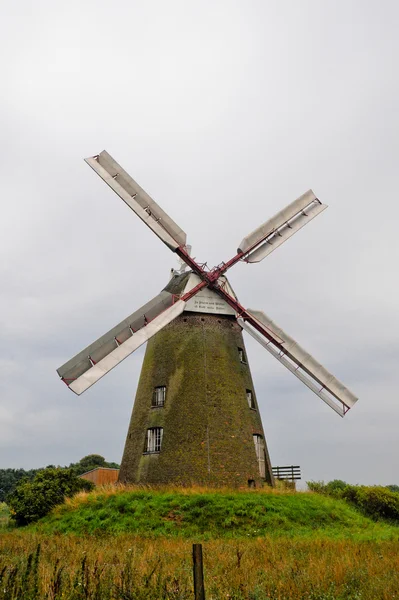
(192, 490)
(250, 569)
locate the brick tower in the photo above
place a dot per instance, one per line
(195, 417)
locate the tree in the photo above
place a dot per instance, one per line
(9, 479)
(90, 462)
(32, 500)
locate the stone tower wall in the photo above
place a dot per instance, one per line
(207, 423)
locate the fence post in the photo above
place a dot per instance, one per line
(198, 571)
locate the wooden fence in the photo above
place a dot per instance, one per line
(292, 472)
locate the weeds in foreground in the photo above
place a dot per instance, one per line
(4, 515)
(35, 567)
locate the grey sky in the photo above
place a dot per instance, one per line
(224, 112)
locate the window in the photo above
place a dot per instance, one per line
(260, 453)
(241, 355)
(154, 440)
(251, 400)
(158, 397)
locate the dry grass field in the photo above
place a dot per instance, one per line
(359, 560)
(132, 568)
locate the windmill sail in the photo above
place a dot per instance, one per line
(302, 365)
(269, 236)
(138, 200)
(195, 373)
(101, 356)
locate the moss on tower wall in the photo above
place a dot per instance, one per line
(208, 424)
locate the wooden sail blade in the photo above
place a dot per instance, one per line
(92, 363)
(269, 236)
(138, 200)
(301, 364)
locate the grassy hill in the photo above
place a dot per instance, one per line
(125, 544)
(210, 514)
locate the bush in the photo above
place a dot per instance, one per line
(332, 488)
(336, 487)
(317, 486)
(374, 501)
(9, 479)
(32, 500)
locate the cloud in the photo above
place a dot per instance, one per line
(225, 113)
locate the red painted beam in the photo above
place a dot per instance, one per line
(244, 314)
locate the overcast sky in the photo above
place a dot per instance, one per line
(224, 111)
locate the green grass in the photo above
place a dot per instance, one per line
(209, 514)
(4, 515)
(136, 544)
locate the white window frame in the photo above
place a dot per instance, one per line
(242, 356)
(260, 454)
(159, 396)
(250, 399)
(153, 441)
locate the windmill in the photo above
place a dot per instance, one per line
(195, 417)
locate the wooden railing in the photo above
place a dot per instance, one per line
(292, 472)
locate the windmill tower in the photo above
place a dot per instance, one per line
(195, 418)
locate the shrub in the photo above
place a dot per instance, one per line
(32, 500)
(332, 488)
(375, 501)
(336, 487)
(9, 479)
(317, 486)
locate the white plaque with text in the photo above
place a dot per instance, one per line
(207, 301)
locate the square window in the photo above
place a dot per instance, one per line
(154, 440)
(159, 395)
